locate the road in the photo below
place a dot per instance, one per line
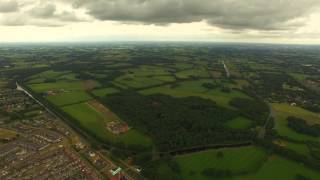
(262, 132)
(20, 88)
(226, 69)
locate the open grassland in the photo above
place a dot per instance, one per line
(144, 70)
(195, 88)
(32, 113)
(144, 76)
(299, 77)
(94, 122)
(233, 69)
(73, 97)
(239, 123)
(297, 147)
(64, 85)
(236, 160)
(181, 66)
(200, 72)
(104, 91)
(165, 78)
(7, 134)
(239, 84)
(310, 117)
(132, 81)
(280, 168)
(282, 111)
(2, 83)
(48, 74)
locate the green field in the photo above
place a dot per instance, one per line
(65, 85)
(132, 81)
(94, 122)
(297, 147)
(143, 71)
(282, 111)
(105, 91)
(73, 97)
(200, 72)
(299, 77)
(239, 123)
(237, 160)
(195, 88)
(280, 168)
(181, 66)
(7, 134)
(251, 163)
(48, 74)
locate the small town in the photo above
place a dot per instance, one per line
(36, 144)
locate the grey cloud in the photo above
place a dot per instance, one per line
(8, 6)
(69, 17)
(44, 11)
(227, 14)
(49, 12)
(14, 20)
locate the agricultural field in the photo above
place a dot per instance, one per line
(104, 91)
(199, 72)
(172, 110)
(94, 122)
(280, 168)
(60, 85)
(239, 123)
(7, 134)
(66, 98)
(195, 88)
(300, 148)
(283, 111)
(240, 160)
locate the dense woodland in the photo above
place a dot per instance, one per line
(176, 123)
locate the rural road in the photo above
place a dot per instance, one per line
(226, 69)
(263, 130)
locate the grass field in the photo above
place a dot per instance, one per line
(282, 111)
(48, 74)
(280, 168)
(181, 66)
(299, 77)
(105, 91)
(7, 134)
(143, 71)
(239, 123)
(237, 160)
(73, 97)
(132, 81)
(299, 148)
(195, 88)
(66, 85)
(94, 122)
(196, 72)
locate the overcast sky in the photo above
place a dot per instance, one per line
(269, 21)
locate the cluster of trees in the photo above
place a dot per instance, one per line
(177, 123)
(253, 109)
(151, 169)
(300, 126)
